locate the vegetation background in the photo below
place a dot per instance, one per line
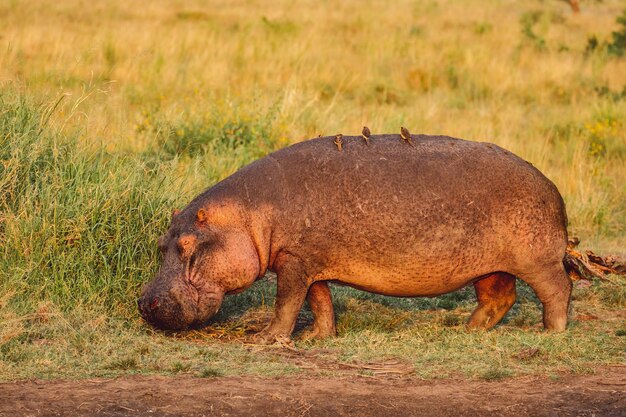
(113, 113)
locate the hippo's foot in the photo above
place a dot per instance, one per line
(318, 332)
(496, 295)
(269, 337)
(263, 338)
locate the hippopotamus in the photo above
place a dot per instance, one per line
(407, 218)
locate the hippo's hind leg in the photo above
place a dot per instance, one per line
(496, 295)
(321, 303)
(553, 288)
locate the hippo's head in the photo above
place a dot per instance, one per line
(206, 254)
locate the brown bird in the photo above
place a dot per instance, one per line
(365, 133)
(339, 141)
(406, 135)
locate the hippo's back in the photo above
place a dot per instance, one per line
(438, 179)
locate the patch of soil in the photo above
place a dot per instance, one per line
(601, 394)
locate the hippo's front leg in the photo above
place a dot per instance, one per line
(291, 291)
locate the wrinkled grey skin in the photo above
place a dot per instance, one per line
(389, 217)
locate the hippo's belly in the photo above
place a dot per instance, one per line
(411, 278)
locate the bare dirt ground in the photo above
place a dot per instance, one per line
(601, 394)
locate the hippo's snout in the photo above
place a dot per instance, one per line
(178, 306)
(170, 308)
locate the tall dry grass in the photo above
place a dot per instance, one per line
(512, 73)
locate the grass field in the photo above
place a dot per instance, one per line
(113, 114)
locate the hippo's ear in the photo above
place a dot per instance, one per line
(162, 243)
(201, 216)
(216, 215)
(175, 212)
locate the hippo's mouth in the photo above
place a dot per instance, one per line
(207, 306)
(180, 307)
